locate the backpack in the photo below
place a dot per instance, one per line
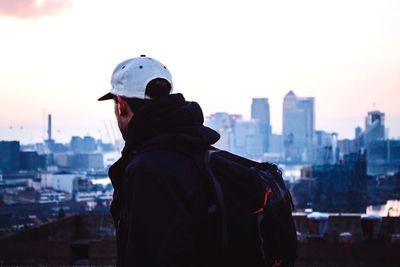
(255, 211)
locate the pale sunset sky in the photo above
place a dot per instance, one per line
(57, 57)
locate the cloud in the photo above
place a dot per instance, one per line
(26, 9)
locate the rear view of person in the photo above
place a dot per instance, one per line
(161, 203)
(177, 200)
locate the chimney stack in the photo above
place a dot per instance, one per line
(49, 127)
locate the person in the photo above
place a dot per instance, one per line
(162, 208)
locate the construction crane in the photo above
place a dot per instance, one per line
(115, 134)
(112, 141)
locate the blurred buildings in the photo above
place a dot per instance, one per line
(326, 173)
(341, 175)
(300, 143)
(254, 138)
(41, 180)
(339, 187)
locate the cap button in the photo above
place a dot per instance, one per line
(142, 55)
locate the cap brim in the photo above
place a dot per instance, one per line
(106, 97)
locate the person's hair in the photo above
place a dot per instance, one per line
(155, 89)
(158, 88)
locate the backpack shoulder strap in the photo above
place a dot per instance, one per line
(218, 194)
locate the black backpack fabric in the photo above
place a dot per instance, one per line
(255, 211)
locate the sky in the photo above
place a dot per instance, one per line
(57, 56)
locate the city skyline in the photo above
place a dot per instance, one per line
(108, 131)
(57, 57)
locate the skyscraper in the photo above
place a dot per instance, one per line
(298, 127)
(374, 127)
(260, 112)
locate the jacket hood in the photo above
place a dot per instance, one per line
(169, 121)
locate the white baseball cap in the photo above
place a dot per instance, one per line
(130, 77)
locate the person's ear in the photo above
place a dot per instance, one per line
(122, 106)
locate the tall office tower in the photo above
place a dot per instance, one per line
(298, 127)
(260, 112)
(374, 127)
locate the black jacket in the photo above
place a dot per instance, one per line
(162, 206)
